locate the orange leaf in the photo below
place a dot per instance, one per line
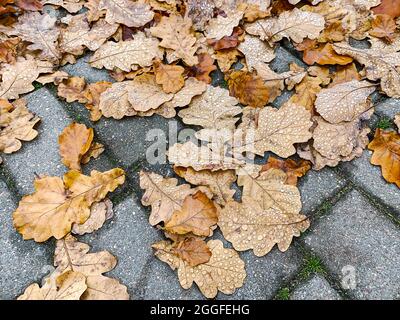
(250, 90)
(386, 147)
(202, 70)
(192, 250)
(389, 7)
(321, 53)
(169, 76)
(293, 169)
(227, 42)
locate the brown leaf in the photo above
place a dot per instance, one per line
(248, 226)
(227, 42)
(223, 26)
(29, 5)
(250, 90)
(293, 169)
(306, 93)
(192, 250)
(197, 216)
(176, 34)
(169, 76)
(322, 54)
(92, 95)
(71, 6)
(389, 7)
(57, 204)
(56, 78)
(210, 277)
(72, 89)
(95, 150)
(10, 49)
(345, 74)
(386, 147)
(16, 125)
(383, 26)
(75, 141)
(202, 70)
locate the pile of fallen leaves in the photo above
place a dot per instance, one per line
(161, 54)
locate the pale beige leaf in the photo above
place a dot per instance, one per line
(213, 109)
(345, 101)
(71, 6)
(114, 101)
(255, 51)
(94, 12)
(295, 25)
(67, 286)
(289, 78)
(223, 26)
(224, 272)
(170, 77)
(16, 124)
(99, 213)
(104, 288)
(381, 64)
(17, 78)
(219, 182)
(41, 31)
(248, 226)
(176, 34)
(270, 191)
(397, 121)
(127, 55)
(127, 12)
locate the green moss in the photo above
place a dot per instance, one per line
(384, 123)
(37, 85)
(312, 264)
(283, 294)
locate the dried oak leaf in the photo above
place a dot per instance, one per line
(200, 12)
(278, 130)
(322, 54)
(397, 121)
(72, 89)
(249, 226)
(306, 92)
(17, 78)
(224, 272)
(114, 101)
(223, 25)
(345, 101)
(293, 169)
(29, 5)
(227, 42)
(73, 255)
(57, 204)
(94, 12)
(99, 213)
(67, 286)
(386, 147)
(92, 95)
(127, 55)
(383, 26)
(192, 250)
(56, 78)
(202, 70)
(295, 25)
(213, 109)
(256, 51)
(41, 31)
(270, 190)
(219, 182)
(197, 216)
(250, 90)
(75, 141)
(163, 195)
(78, 34)
(95, 150)
(226, 58)
(380, 63)
(16, 125)
(345, 74)
(10, 49)
(176, 34)
(169, 76)
(126, 12)
(389, 7)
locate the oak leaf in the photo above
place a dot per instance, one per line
(345, 74)
(380, 64)
(202, 70)
(250, 90)
(228, 42)
(223, 25)
(67, 286)
(322, 54)
(92, 95)
(127, 55)
(72, 89)
(219, 182)
(256, 51)
(197, 216)
(56, 78)
(249, 226)
(306, 92)
(56, 204)
(345, 101)
(192, 250)
(16, 124)
(386, 147)
(389, 7)
(224, 272)
(75, 141)
(126, 12)
(114, 101)
(176, 34)
(169, 76)
(71, 6)
(95, 150)
(213, 109)
(383, 26)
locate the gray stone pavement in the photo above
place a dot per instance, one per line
(354, 213)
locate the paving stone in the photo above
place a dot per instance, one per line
(40, 155)
(369, 177)
(316, 186)
(128, 236)
(316, 288)
(356, 239)
(283, 59)
(21, 262)
(127, 138)
(388, 108)
(82, 68)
